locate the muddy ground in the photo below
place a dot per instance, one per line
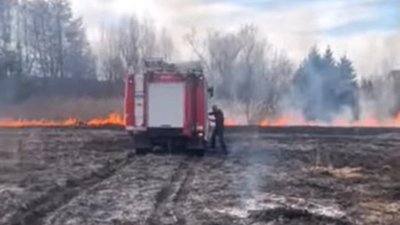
(82, 176)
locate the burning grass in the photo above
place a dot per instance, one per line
(290, 120)
(113, 119)
(116, 119)
(91, 112)
(63, 112)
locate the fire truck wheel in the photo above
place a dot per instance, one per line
(142, 151)
(199, 152)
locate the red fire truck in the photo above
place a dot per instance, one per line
(167, 107)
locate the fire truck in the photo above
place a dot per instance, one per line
(166, 107)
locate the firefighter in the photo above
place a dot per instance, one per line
(219, 128)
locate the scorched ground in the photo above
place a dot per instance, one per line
(90, 176)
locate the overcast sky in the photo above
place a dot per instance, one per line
(368, 31)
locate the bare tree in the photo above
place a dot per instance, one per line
(62, 14)
(279, 77)
(166, 45)
(148, 46)
(218, 52)
(224, 50)
(251, 70)
(199, 48)
(136, 40)
(264, 74)
(46, 34)
(6, 51)
(5, 24)
(78, 60)
(247, 69)
(119, 52)
(128, 42)
(111, 64)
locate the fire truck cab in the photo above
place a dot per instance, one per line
(167, 107)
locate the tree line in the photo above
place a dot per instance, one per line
(43, 44)
(250, 73)
(42, 38)
(124, 47)
(44, 49)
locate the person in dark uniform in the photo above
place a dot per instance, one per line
(219, 128)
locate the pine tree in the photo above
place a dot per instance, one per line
(330, 73)
(308, 85)
(348, 85)
(323, 87)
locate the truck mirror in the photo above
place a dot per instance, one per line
(211, 92)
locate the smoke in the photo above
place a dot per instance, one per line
(261, 83)
(322, 90)
(379, 96)
(9, 90)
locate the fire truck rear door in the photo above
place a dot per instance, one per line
(166, 105)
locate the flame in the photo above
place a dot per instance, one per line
(372, 122)
(230, 122)
(290, 120)
(281, 122)
(38, 123)
(397, 120)
(264, 123)
(113, 119)
(341, 123)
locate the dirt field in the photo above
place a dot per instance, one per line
(281, 177)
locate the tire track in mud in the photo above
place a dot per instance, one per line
(174, 191)
(56, 197)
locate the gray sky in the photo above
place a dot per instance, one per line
(368, 31)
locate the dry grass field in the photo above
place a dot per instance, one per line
(62, 108)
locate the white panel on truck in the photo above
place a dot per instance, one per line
(139, 100)
(166, 105)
